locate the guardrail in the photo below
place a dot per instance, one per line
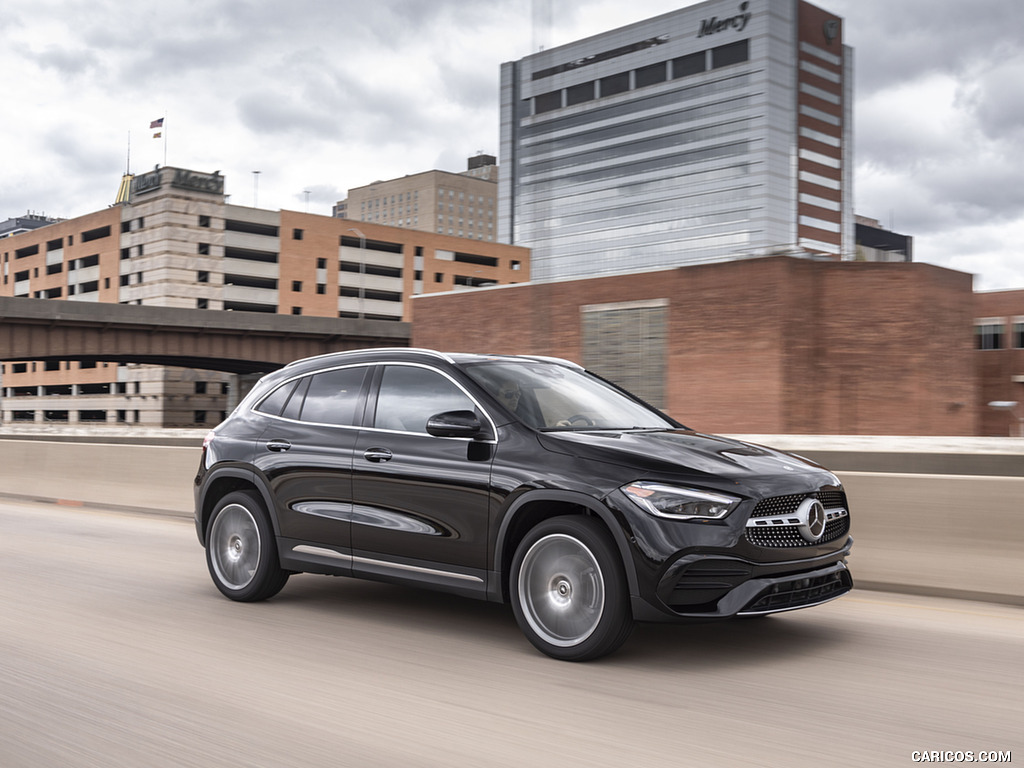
(930, 516)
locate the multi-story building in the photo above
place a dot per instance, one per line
(876, 243)
(177, 242)
(25, 223)
(456, 204)
(719, 131)
(999, 339)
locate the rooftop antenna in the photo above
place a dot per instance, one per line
(541, 13)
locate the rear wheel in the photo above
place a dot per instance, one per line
(240, 549)
(569, 593)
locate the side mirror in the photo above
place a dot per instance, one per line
(454, 424)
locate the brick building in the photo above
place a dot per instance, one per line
(458, 204)
(774, 346)
(999, 338)
(177, 242)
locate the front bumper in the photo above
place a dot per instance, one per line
(721, 586)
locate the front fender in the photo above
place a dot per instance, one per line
(617, 526)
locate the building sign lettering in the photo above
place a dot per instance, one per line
(146, 182)
(200, 182)
(715, 24)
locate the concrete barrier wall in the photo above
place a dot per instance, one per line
(951, 530)
(153, 477)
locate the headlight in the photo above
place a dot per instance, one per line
(680, 503)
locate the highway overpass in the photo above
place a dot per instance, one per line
(235, 342)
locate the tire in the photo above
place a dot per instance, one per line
(240, 549)
(568, 589)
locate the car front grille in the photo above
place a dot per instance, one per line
(786, 505)
(785, 534)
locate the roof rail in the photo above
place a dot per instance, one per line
(556, 360)
(431, 352)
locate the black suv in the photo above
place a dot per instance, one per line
(515, 479)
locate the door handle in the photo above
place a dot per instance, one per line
(278, 445)
(377, 454)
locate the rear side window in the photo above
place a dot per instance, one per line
(410, 395)
(275, 401)
(294, 405)
(333, 396)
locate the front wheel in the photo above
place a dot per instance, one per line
(240, 549)
(569, 593)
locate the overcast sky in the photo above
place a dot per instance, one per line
(322, 96)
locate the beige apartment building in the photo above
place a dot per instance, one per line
(177, 242)
(454, 204)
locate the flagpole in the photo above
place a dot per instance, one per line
(165, 138)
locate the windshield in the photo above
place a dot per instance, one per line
(552, 397)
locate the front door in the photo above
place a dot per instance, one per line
(420, 502)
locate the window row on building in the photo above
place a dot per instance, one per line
(992, 334)
(641, 77)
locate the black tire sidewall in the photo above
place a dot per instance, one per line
(269, 578)
(616, 621)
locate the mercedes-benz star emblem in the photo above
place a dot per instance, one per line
(812, 519)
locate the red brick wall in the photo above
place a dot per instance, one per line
(998, 367)
(776, 345)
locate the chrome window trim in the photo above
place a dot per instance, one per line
(257, 403)
(445, 374)
(365, 364)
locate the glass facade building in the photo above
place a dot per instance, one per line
(716, 132)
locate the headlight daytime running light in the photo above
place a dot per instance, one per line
(675, 503)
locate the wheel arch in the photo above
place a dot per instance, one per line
(222, 481)
(536, 506)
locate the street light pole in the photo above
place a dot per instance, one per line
(362, 266)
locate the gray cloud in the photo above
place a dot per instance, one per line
(326, 96)
(905, 40)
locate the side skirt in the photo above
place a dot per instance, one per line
(311, 557)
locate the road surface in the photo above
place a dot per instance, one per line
(117, 650)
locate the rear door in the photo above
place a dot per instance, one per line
(306, 455)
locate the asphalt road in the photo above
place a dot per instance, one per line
(116, 650)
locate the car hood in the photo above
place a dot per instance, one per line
(684, 452)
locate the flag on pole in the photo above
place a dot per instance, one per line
(157, 135)
(157, 123)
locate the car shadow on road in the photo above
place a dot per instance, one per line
(725, 643)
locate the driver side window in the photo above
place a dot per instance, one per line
(410, 395)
